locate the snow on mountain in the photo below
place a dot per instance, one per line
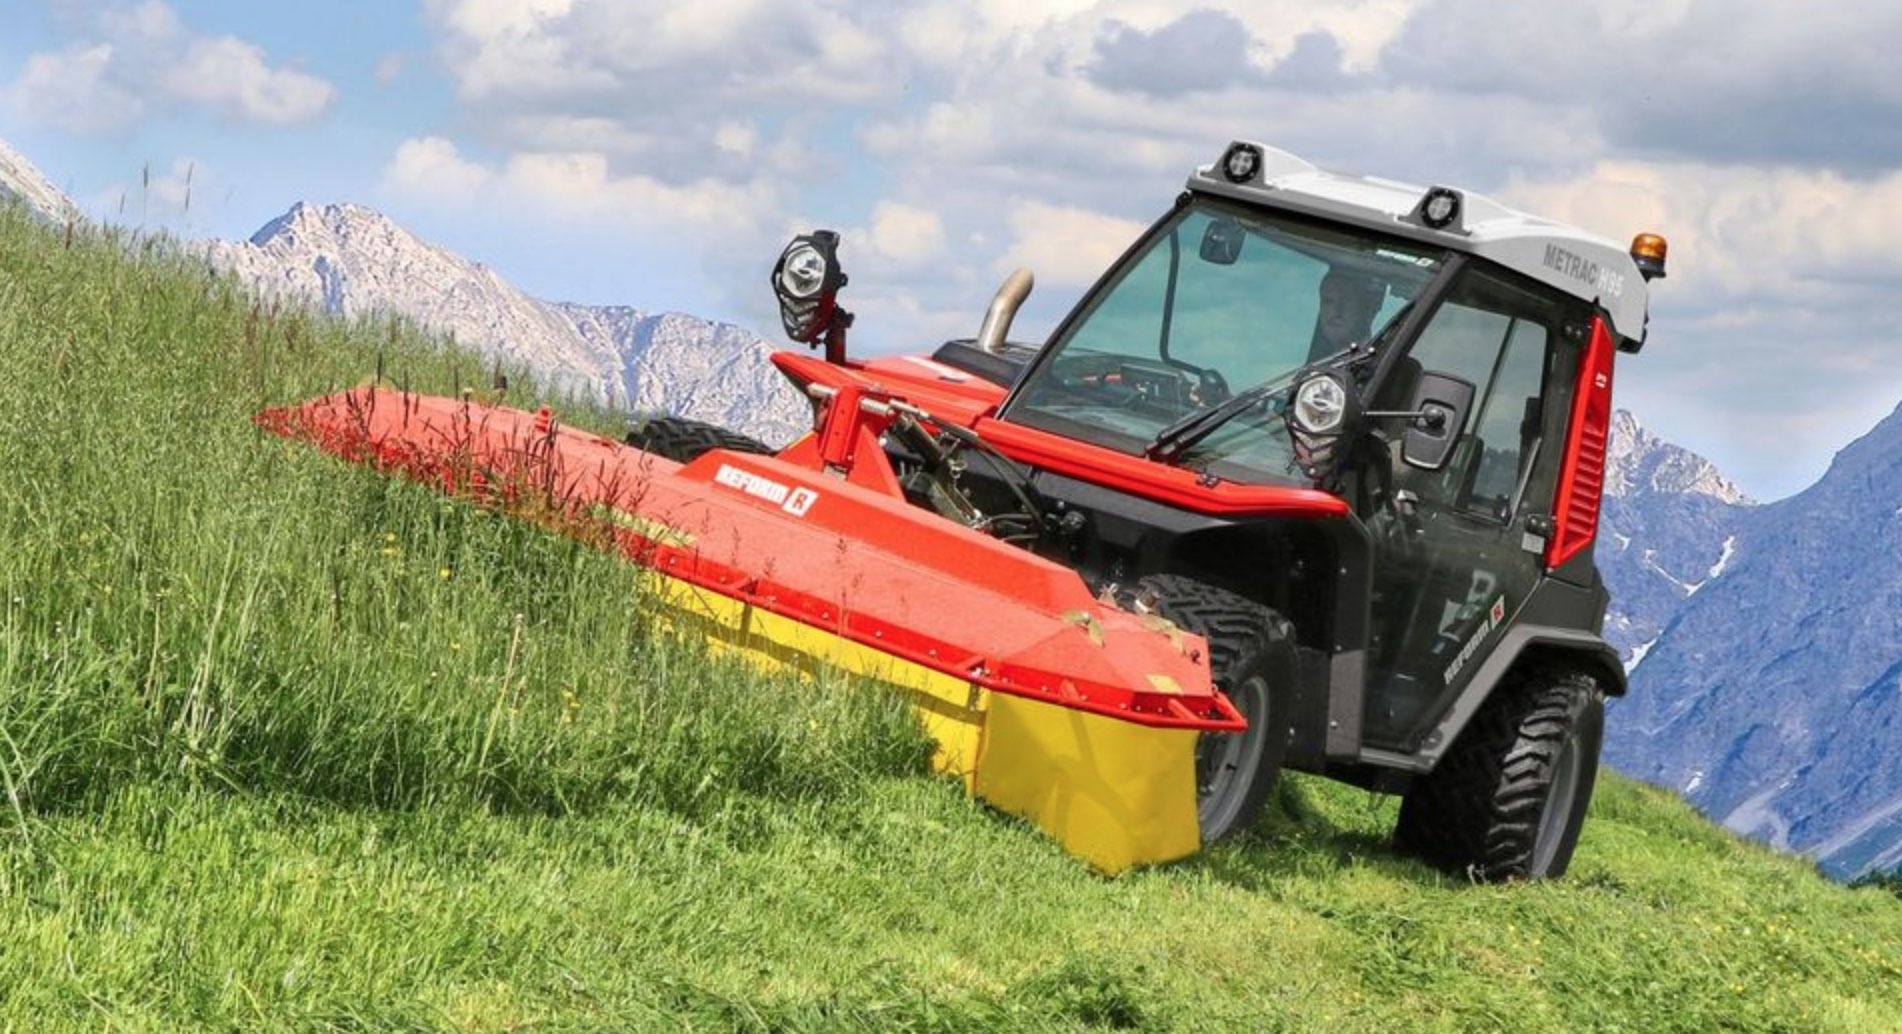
(1772, 697)
(1666, 532)
(22, 183)
(355, 261)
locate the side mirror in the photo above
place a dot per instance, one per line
(806, 280)
(1438, 415)
(1222, 242)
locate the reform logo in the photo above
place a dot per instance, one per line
(800, 501)
(1495, 616)
(795, 501)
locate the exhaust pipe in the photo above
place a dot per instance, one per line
(990, 336)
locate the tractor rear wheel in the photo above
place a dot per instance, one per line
(1252, 659)
(1508, 800)
(682, 440)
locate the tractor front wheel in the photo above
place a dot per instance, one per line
(1508, 800)
(683, 441)
(1252, 659)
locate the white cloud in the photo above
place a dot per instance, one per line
(1068, 247)
(904, 235)
(1736, 80)
(582, 184)
(499, 47)
(140, 58)
(556, 130)
(1741, 234)
(737, 138)
(432, 167)
(229, 75)
(167, 196)
(572, 185)
(492, 18)
(171, 191)
(675, 56)
(74, 89)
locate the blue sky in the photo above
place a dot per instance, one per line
(658, 154)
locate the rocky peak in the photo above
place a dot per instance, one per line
(22, 182)
(346, 231)
(1640, 460)
(304, 221)
(1669, 528)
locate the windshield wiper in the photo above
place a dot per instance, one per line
(1173, 441)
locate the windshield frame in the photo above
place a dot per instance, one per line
(1155, 244)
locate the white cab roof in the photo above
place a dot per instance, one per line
(1569, 259)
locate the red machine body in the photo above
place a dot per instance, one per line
(819, 534)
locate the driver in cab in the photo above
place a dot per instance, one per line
(1349, 301)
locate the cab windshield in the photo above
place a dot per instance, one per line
(1221, 299)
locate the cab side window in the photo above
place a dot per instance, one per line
(1501, 338)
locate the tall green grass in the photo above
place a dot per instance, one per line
(285, 745)
(187, 599)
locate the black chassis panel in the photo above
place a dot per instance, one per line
(1315, 572)
(1558, 625)
(1001, 369)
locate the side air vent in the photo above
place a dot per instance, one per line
(1587, 441)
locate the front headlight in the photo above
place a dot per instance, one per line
(1318, 418)
(1320, 405)
(806, 280)
(803, 271)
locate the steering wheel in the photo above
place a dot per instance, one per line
(1122, 381)
(1211, 388)
(1130, 382)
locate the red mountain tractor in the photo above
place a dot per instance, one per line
(1350, 431)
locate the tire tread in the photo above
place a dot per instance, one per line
(683, 440)
(1480, 810)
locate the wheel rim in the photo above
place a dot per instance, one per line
(1560, 798)
(1226, 763)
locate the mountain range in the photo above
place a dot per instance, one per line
(1763, 642)
(1771, 696)
(350, 260)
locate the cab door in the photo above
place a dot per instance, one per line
(1457, 559)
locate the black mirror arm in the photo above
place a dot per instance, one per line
(1432, 418)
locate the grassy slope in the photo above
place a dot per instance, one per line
(285, 745)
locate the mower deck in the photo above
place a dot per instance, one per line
(1047, 702)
